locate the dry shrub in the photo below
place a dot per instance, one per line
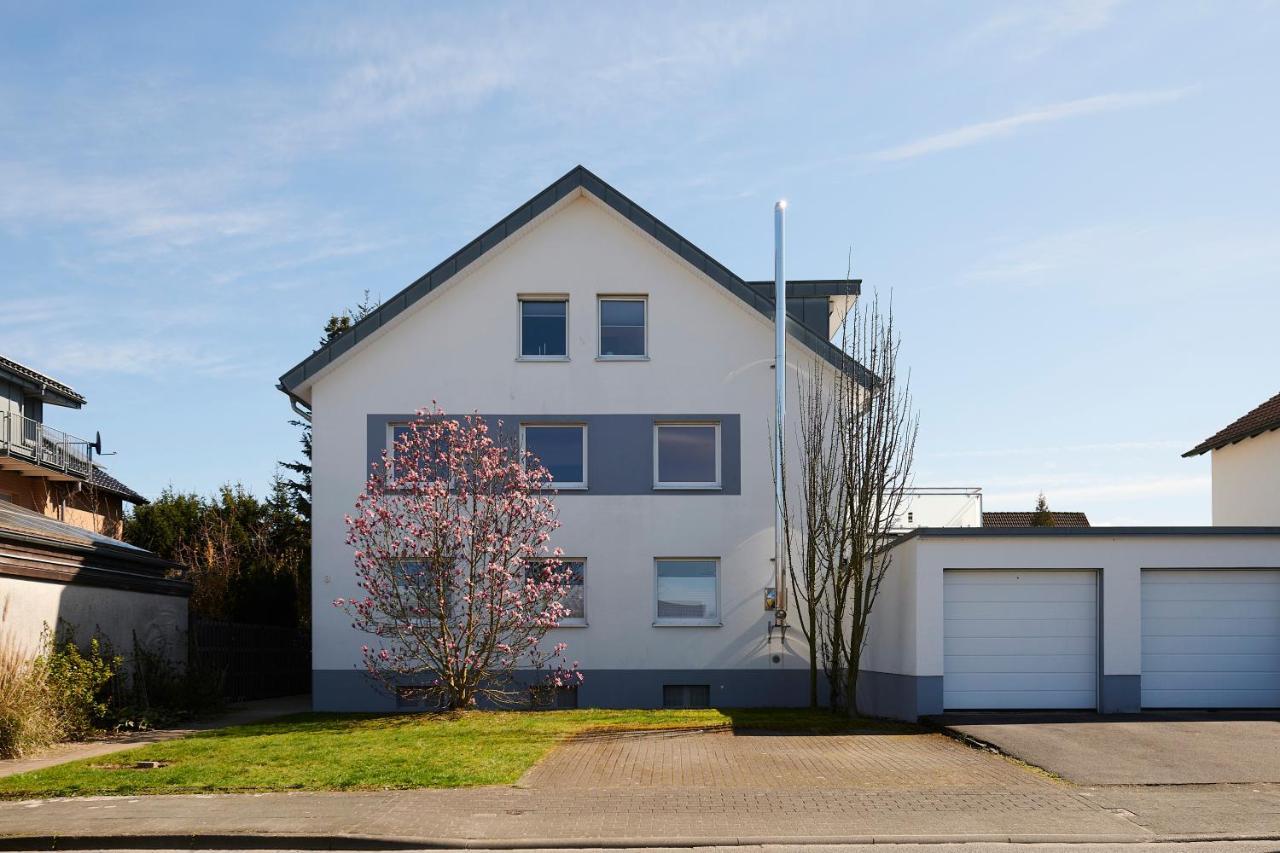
(27, 721)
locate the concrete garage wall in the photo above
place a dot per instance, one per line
(890, 683)
(1246, 481)
(160, 621)
(1118, 554)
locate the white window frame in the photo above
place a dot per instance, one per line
(686, 623)
(556, 485)
(421, 621)
(580, 620)
(601, 298)
(659, 484)
(522, 298)
(391, 448)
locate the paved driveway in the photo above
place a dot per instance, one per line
(1150, 749)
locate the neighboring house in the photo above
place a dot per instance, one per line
(61, 516)
(1024, 519)
(643, 369)
(1245, 462)
(939, 506)
(50, 471)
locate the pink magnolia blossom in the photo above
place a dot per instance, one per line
(456, 581)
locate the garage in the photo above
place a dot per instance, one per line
(1210, 638)
(1020, 639)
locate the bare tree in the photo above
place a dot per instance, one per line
(812, 513)
(856, 441)
(876, 427)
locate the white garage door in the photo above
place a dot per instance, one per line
(1020, 639)
(1211, 639)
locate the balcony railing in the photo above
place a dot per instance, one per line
(32, 441)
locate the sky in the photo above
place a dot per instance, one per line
(1075, 206)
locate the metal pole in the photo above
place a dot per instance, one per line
(779, 400)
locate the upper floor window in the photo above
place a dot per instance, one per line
(686, 456)
(562, 450)
(429, 462)
(544, 327)
(623, 327)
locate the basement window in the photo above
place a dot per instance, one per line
(686, 695)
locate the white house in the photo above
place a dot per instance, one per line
(1245, 460)
(641, 371)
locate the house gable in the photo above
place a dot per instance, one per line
(296, 381)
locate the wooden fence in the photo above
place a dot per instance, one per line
(253, 661)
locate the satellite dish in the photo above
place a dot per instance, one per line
(97, 443)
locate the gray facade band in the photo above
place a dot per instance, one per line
(619, 448)
(353, 690)
(1121, 694)
(899, 697)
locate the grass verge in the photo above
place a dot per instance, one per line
(350, 752)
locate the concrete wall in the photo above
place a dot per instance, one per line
(907, 635)
(1246, 481)
(708, 353)
(160, 621)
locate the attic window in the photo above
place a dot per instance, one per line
(544, 327)
(622, 327)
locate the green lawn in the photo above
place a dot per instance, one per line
(337, 752)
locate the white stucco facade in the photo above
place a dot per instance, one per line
(1246, 481)
(709, 355)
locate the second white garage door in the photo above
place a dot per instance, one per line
(1020, 639)
(1211, 638)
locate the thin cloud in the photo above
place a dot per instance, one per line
(1029, 30)
(974, 134)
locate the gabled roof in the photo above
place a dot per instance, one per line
(100, 479)
(49, 389)
(578, 178)
(1262, 419)
(1023, 519)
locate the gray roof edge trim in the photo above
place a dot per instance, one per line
(30, 376)
(814, 287)
(1083, 532)
(577, 178)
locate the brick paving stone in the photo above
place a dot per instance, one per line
(925, 761)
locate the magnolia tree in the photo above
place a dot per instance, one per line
(458, 586)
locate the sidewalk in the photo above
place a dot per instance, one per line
(507, 817)
(242, 713)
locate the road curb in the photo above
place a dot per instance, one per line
(264, 841)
